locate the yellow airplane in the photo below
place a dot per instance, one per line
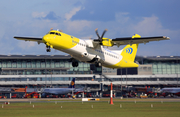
(93, 51)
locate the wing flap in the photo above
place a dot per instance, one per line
(39, 40)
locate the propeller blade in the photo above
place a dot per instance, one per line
(96, 30)
(103, 33)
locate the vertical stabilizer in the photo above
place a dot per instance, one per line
(72, 84)
(129, 52)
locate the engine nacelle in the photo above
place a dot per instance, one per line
(107, 42)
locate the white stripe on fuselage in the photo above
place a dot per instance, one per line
(107, 57)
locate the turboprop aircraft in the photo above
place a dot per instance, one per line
(94, 51)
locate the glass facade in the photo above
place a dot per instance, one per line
(163, 65)
(109, 71)
(58, 64)
(38, 65)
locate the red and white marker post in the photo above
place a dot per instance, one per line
(111, 94)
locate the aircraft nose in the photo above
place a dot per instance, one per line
(45, 39)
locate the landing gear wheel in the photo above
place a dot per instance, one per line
(48, 50)
(98, 64)
(75, 64)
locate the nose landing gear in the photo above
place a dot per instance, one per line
(48, 49)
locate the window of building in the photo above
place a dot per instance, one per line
(99, 69)
(33, 63)
(43, 64)
(52, 64)
(4, 64)
(57, 64)
(61, 63)
(86, 69)
(80, 64)
(38, 64)
(173, 68)
(9, 65)
(14, 64)
(168, 67)
(48, 63)
(23, 64)
(67, 64)
(19, 64)
(28, 64)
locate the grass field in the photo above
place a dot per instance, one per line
(91, 109)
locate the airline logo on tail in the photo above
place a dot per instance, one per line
(128, 50)
(72, 84)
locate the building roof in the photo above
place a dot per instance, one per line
(158, 58)
(35, 56)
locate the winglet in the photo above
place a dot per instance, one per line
(166, 37)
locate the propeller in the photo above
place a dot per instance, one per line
(100, 38)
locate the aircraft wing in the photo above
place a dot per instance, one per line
(130, 40)
(38, 40)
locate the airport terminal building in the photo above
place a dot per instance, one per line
(40, 71)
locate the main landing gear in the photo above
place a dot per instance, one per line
(98, 64)
(75, 64)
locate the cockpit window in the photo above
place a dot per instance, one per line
(55, 33)
(58, 34)
(52, 33)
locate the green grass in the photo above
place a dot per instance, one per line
(100, 109)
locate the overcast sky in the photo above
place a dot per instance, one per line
(80, 18)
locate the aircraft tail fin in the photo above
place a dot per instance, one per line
(72, 84)
(129, 52)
